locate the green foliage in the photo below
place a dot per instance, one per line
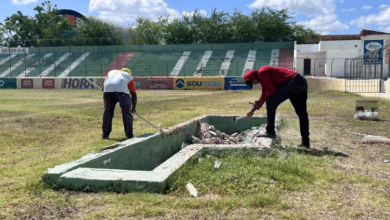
(263, 25)
(178, 32)
(303, 35)
(48, 28)
(97, 33)
(243, 28)
(21, 30)
(272, 25)
(147, 32)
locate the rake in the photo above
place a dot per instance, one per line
(158, 127)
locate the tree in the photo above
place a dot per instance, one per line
(48, 23)
(263, 25)
(243, 29)
(147, 32)
(303, 35)
(97, 33)
(21, 30)
(272, 26)
(178, 32)
(16, 29)
(216, 29)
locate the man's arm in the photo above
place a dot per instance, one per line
(133, 101)
(256, 106)
(133, 94)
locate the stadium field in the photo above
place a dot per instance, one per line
(339, 178)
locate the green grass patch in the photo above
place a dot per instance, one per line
(337, 179)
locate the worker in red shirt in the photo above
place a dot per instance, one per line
(117, 87)
(279, 84)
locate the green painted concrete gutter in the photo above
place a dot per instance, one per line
(144, 163)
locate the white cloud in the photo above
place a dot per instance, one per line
(307, 7)
(366, 7)
(201, 12)
(129, 10)
(325, 24)
(381, 19)
(348, 9)
(384, 6)
(324, 19)
(23, 2)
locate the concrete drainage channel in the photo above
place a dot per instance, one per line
(147, 162)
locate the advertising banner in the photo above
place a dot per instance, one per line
(387, 56)
(21, 50)
(26, 83)
(153, 83)
(235, 83)
(199, 83)
(8, 83)
(81, 83)
(375, 54)
(48, 83)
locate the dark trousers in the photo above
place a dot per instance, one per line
(296, 91)
(110, 100)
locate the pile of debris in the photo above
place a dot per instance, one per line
(210, 135)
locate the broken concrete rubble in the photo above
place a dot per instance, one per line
(209, 135)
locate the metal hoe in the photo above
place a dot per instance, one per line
(158, 127)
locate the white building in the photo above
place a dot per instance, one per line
(334, 55)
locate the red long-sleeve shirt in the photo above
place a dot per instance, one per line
(273, 77)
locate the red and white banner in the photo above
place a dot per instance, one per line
(27, 83)
(153, 83)
(48, 83)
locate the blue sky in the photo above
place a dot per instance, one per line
(323, 16)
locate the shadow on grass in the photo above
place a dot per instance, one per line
(316, 152)
(123, 139)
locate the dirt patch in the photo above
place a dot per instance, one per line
(52, 211)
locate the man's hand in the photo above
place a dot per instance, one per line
(250, 114)
(133, 110)
(257, 105)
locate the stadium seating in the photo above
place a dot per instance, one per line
(168, 60)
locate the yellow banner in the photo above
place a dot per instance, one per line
(199, 83)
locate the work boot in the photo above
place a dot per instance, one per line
(270, 135)
(304, 145)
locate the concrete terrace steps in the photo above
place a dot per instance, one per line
(120, 62)
(286, 58)
(77, 62)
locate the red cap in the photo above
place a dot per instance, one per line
(250, 75)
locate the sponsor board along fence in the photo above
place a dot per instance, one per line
(143, 83)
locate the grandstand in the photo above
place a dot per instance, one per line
(150, 60)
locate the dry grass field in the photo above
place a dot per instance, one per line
(339, 178)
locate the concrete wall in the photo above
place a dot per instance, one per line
(317, 67)
(325, 83)
(306, 48)
(335, 61)
(338, 50)
(340, 45)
